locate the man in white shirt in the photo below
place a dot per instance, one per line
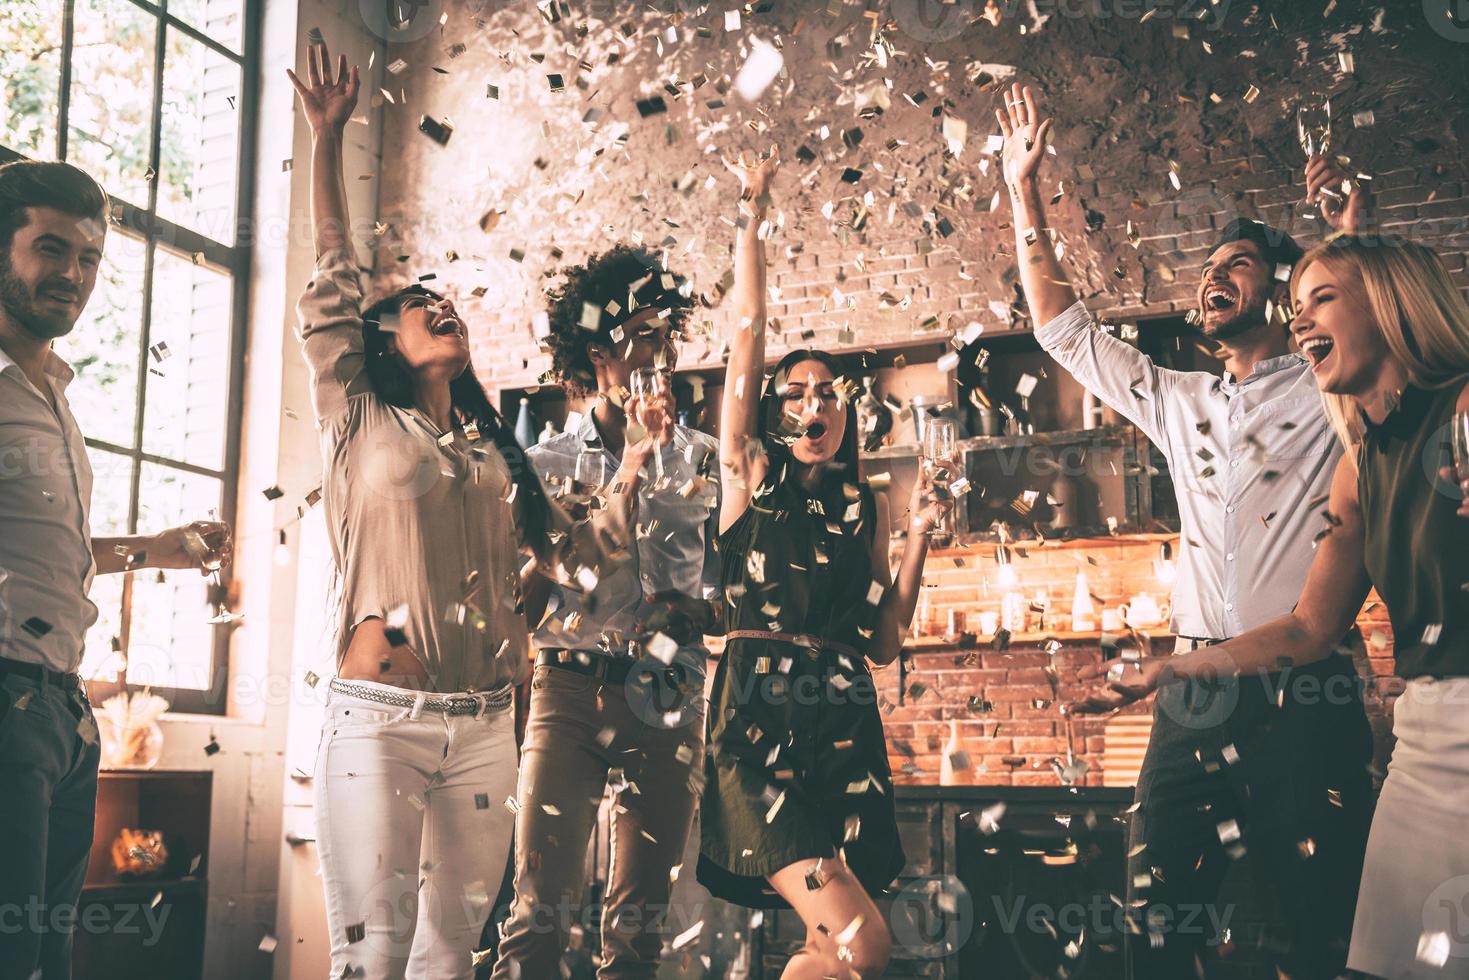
(1268, 769)
(53, 224)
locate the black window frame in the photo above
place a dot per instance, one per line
(233, 258)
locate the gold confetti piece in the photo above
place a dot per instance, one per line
(1251, 94)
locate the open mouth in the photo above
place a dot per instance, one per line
(448, 326)
(1317, 349)
(815, 431)
(1216, 299)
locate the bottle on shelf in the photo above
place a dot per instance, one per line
(953, 749)
(1083, 610)
(548, 432)
(525, 425)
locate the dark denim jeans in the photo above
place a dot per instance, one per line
(48, 798)
(1269, 770)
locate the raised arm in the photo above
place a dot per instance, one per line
(741, 464)
(1336, 587)
(327, 105)
(900, 598)
(1113, 370)
(329, 313)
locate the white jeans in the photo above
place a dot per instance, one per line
(412, 832)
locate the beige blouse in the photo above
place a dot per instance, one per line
(423, 527)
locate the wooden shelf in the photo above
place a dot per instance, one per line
(1025, 639)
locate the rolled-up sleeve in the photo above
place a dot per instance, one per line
(329, 326)
(1115, 371)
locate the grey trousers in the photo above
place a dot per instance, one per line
(48, 800)
(579, 731)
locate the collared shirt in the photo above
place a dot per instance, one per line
(46, 564)
(412, 513)
(1249, 459)
(676, 533)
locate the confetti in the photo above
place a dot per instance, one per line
(759, 70)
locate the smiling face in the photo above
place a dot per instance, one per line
(811, 405)
(1336, 330)
(48, 273)
(429, 335)
(647, 342)
(1236, 283)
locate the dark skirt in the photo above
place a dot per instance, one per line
(797, 770)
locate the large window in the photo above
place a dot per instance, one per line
(155, 100)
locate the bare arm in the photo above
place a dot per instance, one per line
(895, 610)
(1115, 371)
(1047, 289)
(186, 546)
(327, 105)
(739, 423)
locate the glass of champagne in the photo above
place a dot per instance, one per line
(1313, 130)
(940, 445)
(211, 560)
(651, 386)
(591, 472)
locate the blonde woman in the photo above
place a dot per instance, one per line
(1387, 335)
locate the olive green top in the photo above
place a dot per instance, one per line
(1415, 547)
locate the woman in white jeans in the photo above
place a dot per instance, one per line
(428, 504)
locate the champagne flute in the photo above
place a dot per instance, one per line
(591, 472)
(1460, 442)
(940, 445)
(1313, 126)
(1313, 131)
(211, 561)
(651, 387)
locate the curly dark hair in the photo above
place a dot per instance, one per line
(620, 274)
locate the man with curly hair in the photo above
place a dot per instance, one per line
(620, 660)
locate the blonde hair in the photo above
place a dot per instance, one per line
(1422, 316)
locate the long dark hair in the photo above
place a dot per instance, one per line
(393, 383)
(843, 467)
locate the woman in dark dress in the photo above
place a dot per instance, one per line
(798, 802)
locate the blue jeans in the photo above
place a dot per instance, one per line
(48, 799)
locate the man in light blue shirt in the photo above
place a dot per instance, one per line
(1267, 769)
(617, 695)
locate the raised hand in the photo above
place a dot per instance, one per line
(755, 175)
(931, 500)
(1025, 135)
(1324, 180)
(327, 104)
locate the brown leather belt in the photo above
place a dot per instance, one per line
(809, 640)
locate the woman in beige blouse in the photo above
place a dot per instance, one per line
(429, 504)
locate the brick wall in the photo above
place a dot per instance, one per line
(1016, 714)
(578, 169)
